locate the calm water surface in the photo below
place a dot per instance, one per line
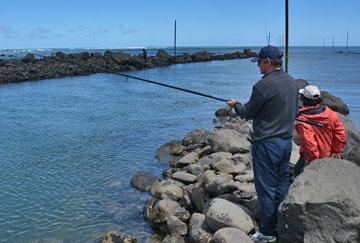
(70, 146)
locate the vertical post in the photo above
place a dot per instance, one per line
(286, 34)
(175, 40)
(347, 41)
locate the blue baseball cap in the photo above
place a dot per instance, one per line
(271, 52)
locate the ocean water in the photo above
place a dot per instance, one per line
(70, 146)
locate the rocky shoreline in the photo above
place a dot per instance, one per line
(208, 195)
(63, 65)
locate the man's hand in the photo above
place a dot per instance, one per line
(231, 102)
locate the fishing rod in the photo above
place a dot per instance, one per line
(140, 79)
(164, 85)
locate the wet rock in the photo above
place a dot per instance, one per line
(164, 209)
(222, 213)
(323, 204)
(143, 180)
(197, 136)
(116, 237)
(228, 141)
(198, 229)
(184, 177)
(176, 226)
(230, 235)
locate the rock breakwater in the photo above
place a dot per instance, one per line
(62, 65)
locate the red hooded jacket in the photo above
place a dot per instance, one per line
(318, 142)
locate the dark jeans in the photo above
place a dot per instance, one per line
(271, 171)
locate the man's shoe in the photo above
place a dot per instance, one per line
(258, 237)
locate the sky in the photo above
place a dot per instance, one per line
(145, 23)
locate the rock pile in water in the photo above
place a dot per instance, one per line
(62, 65)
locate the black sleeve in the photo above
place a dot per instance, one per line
(252, 107)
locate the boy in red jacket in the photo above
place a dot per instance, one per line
(327, 139)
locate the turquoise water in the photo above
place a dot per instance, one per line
(70, 146)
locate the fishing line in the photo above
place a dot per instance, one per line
(163, 84)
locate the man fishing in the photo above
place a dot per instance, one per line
(272, 106)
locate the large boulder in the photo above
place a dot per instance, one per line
(230, 235)
(352, 148)
(335, 103)
(222, 213)
(228, 140)
(143, 180)
(323, 204)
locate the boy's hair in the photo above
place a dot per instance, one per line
(309, 102)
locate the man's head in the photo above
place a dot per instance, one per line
(268, 59)
(310, 95)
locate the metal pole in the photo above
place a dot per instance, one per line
(175, 41)
(286, 34)
(347, 41)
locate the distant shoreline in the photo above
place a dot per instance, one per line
(61, 65)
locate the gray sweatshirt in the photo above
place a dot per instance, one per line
(273, 106)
